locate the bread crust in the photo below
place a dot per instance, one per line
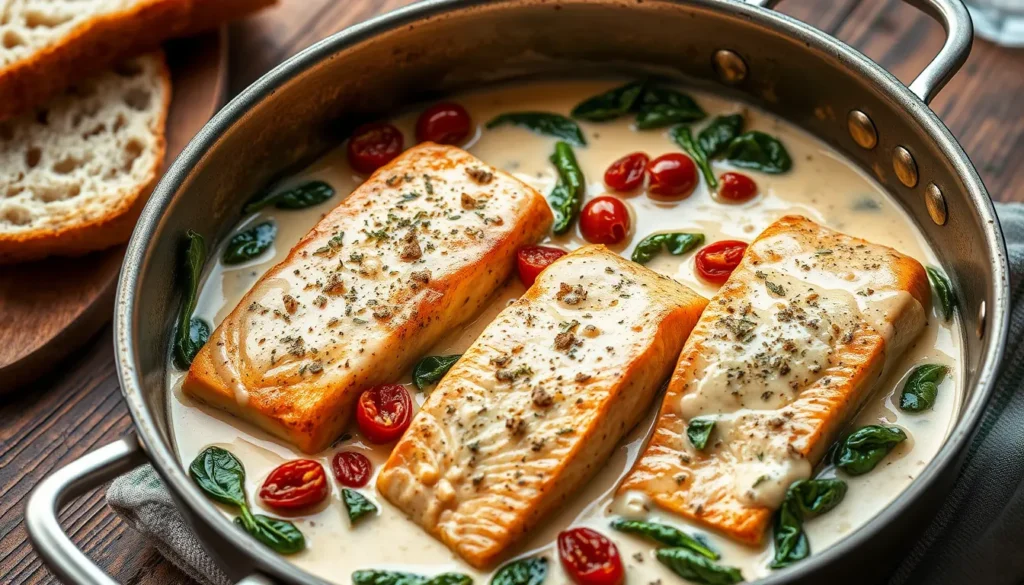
(103, 232)
(102, 41)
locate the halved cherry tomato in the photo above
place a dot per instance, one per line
(672, 175)
(533, 259)
(351, 469)
(736, 187)
(444, 123)
(589, 557)
(627, 173)
(373, 146)
(604, 220)
(384, 412)
(295, 484)
(715, 262)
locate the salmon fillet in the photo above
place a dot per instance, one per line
(412, 253)
(781, 359)
(536, 405)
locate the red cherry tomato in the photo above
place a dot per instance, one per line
(604, 220)
(736, 187)
(295, 484)
(351, 469)
(533, 259)
(444, 123)
(589, 557)
(627, 173)
(715, 262)
(373, 146)
(384, 412)
(672, 175)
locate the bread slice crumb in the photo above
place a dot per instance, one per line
(75, 173)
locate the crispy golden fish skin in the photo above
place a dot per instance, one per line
(412, 253)
(537, 404)
(781, 359)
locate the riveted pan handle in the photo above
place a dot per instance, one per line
(956, 21)
(67, 563)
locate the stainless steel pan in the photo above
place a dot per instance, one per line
(308, 103)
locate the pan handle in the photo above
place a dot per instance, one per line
(956, 21)
(63, 558)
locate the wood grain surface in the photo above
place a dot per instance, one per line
(78, 406)
(40, 323)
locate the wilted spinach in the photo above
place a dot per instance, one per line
(943, 291)
(864, 448)
(545, 123)
(699, 569)
(758, 151)
(280, 535)
(248, 244)
(677, 244)
(375, 577)
(699, 430)
(682, 136)
(716, 136)
(529, 571)
(222, 477)
(660, 106)
(305, 195)
(922, 387)
(611, 104)
(432, 368)
(191, 333)
(805, 499)
(665, 534)
(567, 196)
(356, 504)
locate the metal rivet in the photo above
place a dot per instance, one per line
(936, 203)
(905, 166)
(980, 330)
(862, 129)
(729, 66)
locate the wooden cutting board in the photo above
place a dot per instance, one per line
(50, 308)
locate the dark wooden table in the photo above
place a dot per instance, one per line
(78, 407)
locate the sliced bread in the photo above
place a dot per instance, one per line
(46, 45)
(75, 174)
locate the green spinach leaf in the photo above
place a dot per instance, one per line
(804, 499)
(677, 244)
(375, 577)
(610, 104)
(357, 505)
(530, 571)
(190, 335)
(660, 106)
(682, 136)
(864, 448)
(545, 123)
(250, 243)
(432, 368)
(699, 569)
(567, 196)
(716, 136)
(699, 430)
(221, 475)
(922, 387)
(665, 534)
(305, 195)
(943, 291)
(280, 535)
(760, 152)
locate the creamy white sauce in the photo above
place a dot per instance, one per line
(821, 186)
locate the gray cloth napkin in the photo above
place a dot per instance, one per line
(977, 536)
